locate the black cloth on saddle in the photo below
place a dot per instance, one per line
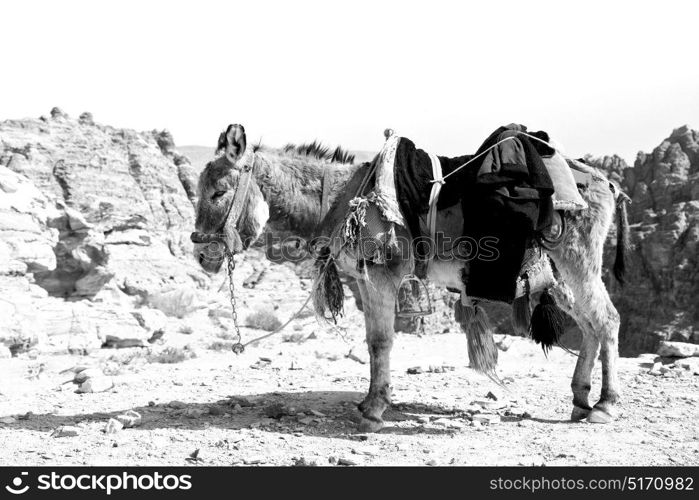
(505, 197)
(507, 203)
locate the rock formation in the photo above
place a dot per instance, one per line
(94, 215)
(661, 299)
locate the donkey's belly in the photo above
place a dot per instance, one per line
(446, 273)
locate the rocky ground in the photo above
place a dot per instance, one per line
(290, 400)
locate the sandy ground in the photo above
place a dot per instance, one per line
(313, 389)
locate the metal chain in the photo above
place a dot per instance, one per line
(238, 347)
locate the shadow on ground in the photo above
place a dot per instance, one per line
(336, 415)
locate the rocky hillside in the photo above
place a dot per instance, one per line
(94, 223)
(661, 299)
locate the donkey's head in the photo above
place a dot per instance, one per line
(231, 211)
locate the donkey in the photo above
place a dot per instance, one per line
(287, 197)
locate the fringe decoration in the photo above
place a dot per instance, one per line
(547, 322)
(354, 222)
(521, 315)
(328, 294)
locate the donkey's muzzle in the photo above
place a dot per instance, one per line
(231, 239)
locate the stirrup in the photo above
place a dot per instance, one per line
(413, 299)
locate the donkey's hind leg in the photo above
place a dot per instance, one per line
(596, 316)
(378, 297)
(589, 348)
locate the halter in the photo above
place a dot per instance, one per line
(235, 210)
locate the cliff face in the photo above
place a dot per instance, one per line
(661, 299)
(94, 224)
(123, 212)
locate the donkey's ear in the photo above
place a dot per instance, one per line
(235, 142)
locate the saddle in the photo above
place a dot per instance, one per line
(515, 189)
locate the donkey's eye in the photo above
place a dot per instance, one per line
(217, 195)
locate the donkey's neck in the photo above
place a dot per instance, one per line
(293, 189)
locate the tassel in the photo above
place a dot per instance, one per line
(328, 294)
(521, 315)
(482, 351)
(547, 322)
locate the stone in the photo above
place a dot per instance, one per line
(486, 418)
(65, 431)
(113, 426)
(194, 413)
(177, 405)
(346, 462)
(82, 375)
(151, 320)
(96, 384)
(678, 349)
(415, 370)
(489, 404)
(129, 419)
(7, 420)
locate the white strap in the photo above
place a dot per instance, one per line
(437, 183)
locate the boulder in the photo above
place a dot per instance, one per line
(678, 349)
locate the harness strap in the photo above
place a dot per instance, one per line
(437, 183)
(326, 183)
(236, 208)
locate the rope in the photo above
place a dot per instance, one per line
(279, 329)
(242, 347)
(444, 178)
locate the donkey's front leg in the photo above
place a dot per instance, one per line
(378, 297)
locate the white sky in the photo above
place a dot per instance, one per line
(600, 76)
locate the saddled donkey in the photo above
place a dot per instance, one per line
(288, 193)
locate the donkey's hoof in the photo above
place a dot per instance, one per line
(579, 413)
(370, 425)
(599, 416)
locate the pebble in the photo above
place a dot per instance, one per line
(96, 384)
(345, 462)
(489, 404)
(194, 413)
(129, 419)
(486, 418)
(415, 370)
(177, 405)
(87, 373)
(317, 413)
(113, 426)
(7, 420)
(431, 463)
(65, 431)
(423, 419)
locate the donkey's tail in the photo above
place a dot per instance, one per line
(622, 238)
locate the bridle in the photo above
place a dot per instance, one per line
(235, 210)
